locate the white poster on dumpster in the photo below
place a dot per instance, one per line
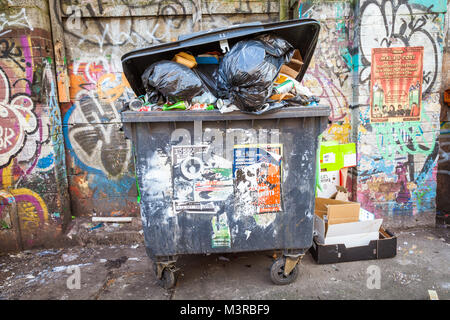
(200, 180)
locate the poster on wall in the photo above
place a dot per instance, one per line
(396, 84)
(200, 180)
(257, 177)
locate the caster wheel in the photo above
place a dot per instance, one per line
(277, 273)
(168, 279)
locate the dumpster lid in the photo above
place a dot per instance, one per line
(302, 34)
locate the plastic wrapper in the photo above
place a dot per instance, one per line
(302, 100)
(172, 80)
(247, 72)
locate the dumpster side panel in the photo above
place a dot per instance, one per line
(155, 185)
(211, 212)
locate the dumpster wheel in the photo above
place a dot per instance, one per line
(168, 279)
(165, 272)
(277, 272)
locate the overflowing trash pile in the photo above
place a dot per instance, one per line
(256, 76)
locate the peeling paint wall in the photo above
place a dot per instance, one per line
(33, 181)
(96, 35)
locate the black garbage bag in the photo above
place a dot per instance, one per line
(172, 80)
(247, 72)
(208, 74)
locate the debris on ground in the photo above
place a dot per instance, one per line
(433, 295)
(115, 264)
(69, 257)
(47, 252)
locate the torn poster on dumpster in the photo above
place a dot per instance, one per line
(200, 180)
(257, 178)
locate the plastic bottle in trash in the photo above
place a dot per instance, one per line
(284, 87)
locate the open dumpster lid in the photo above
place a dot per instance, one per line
(302, 34)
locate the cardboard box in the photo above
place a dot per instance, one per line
(384, 247)
(328, 182)
(337, 222)
(288, 71)
(292, 69)
(335, 156)
(336, 211)
(351, 234)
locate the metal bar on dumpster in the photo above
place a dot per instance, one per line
(214, 115)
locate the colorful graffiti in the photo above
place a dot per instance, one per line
(101, 171)
(397, 161)
(32, 161)
(330, 72)
(387, 23)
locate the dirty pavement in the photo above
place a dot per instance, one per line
(123, 271)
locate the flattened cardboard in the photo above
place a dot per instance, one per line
(352, 234)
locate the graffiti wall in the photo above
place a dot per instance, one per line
(53, 151)
(329, 75)
(96, 35)
(395, 177)
(33, 198)
(397, 161)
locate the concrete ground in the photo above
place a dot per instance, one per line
(125, 272)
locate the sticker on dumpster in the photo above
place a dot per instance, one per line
(257, 177)
(221, 236)
(194, 207)
(199, 179)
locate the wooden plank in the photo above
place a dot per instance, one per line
(112, 219)
(111, 8)
(62, 77)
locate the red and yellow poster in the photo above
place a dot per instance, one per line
(396, 84)
(257, 175)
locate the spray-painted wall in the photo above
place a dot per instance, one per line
(396, 173)
(329, 75)
(33, 183)
(397, 162)
(96, 35)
